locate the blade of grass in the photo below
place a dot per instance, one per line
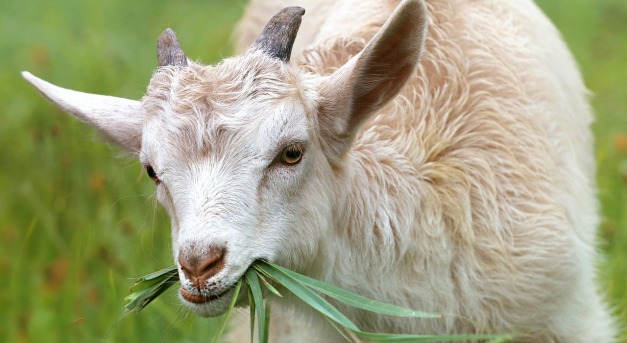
(307, 295)
(138, 302)
(251, 305)
(160, 273)
(382, 337)
(150, 286)
(145, 290)
(502, 339)
(344, 332)
(147, 284)
(227, 315)
(269, 286)
(349, 298)
(266, 330)
(152, 280)
(352, 299)
(255, 287)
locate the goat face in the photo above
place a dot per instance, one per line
(246, 155)
(232, 151)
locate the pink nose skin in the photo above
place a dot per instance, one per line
(199, 269)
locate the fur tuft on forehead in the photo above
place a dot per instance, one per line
(191, 105)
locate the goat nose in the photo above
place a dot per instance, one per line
(199, 269)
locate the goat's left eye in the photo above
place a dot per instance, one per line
(152, 174)
(291, 155)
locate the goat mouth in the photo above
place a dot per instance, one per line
(199, 298)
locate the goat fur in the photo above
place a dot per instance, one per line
(470, 193)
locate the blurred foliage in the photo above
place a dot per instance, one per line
(77, 218)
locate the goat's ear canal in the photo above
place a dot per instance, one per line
(374, 76)
(118, 118)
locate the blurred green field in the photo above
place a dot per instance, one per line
(77, 217)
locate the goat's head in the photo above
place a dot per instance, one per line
(244, 154)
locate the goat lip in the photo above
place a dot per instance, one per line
(200, 299)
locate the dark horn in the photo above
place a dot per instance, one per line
(278, 36)
(169, 50)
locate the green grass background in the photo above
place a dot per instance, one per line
(77, 217)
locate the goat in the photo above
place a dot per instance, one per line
(431, 154)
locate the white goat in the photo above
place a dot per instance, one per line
(463, 184)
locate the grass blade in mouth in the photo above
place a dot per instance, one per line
(350, 298)
(269, 285)
(310, 297)
(252, 310)
(149, 287)
(407, 338)
(257, 300)
(227, 315)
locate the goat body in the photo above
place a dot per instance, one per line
(448, 170)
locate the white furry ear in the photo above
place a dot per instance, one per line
(374, 76)
(118, 118)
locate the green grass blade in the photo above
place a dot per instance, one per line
(353, 299)
(269, 286)
(149, 287)
(251, 305)
(397, 338)
(255, 288)
(266, 330)
(138, 302)
(142, 286)
(227, 315)
(160, 273)
(341, 330)
(502, 339)
(150, 280)
(307, 295)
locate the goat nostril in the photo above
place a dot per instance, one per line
(185, 266)
(199, 269)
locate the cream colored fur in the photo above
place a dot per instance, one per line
(470, 193)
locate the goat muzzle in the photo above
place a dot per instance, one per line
(199, 269)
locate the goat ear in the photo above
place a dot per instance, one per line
(118, 118)
(374, 76)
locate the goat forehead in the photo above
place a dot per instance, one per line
(229, 83)
(201, 109)
(253, 128)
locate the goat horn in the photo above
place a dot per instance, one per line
(169, 50)
(277, 38)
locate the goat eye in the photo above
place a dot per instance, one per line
(291, 155)
(151, 173)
